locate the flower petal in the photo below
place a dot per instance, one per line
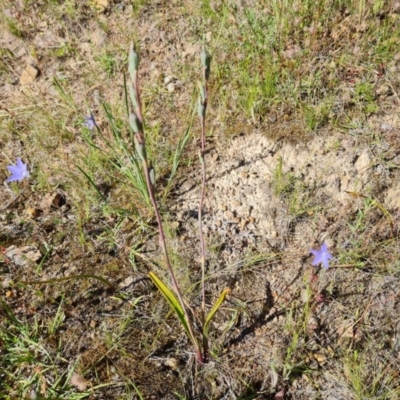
(18, 171)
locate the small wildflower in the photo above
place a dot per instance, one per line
(18, 171)
(321, 256)
(90, 123)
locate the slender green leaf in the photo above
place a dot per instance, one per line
(211, 314)
(173, 302)
(93, 184)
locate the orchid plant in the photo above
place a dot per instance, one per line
(174, 297)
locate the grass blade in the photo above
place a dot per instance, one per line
(93, 184)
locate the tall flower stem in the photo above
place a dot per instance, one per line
(202, 107)
(136, 121)
(201, 234)
(163, 245)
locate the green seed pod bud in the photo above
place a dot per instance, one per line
(205, 59)
(205, 62)
(133, 96)
(202, 93)
(133, 61)
(201, 109)
(152, 174)
(136, 125)
(140, 148)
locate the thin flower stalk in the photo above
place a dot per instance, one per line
(202, 107)
(136, 121)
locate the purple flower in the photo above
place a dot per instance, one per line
(90, 123)
(19, 171)
(322, 256)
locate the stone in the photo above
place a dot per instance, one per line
(171, 87)
(363, 162)
(392, 200)
(23, 256)
(126, 282)
(29, 74)
(101, 5)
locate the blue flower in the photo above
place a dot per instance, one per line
(90, 123)
(19, 171)
(322, 256)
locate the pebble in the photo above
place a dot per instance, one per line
(126, 282)
(236, 203)
(29, 74)
(228, 215)
(169, 79)
(171, 87)
(222, 207)
(363, 162)
(171, 362)
(23, 256)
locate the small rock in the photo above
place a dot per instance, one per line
(79, 382)
(392, 200)
(29, 74)
(228, 215)
(171, 87)
(6, 283)
(23, 256)
(363, 162)
(222, 207)
(101, 5)
(236, 203)
(385, 127)
(171, 362)
(169, 79)
(243, 223)
(33, 212)
(126, 282)
(383, 90)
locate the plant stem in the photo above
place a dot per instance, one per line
(202, 245)
(150, 187)
(167, 261)
(200, 215)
